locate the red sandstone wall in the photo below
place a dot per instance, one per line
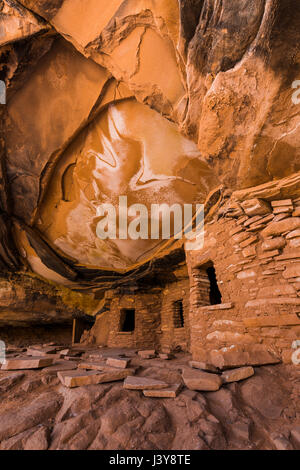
(154, 319)
(255, 248)
(171, 336)
(147, 321)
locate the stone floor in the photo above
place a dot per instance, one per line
(38, 410)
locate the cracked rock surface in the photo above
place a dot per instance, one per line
(240, 415)
(157, 101)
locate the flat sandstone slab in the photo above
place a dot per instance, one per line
(170, 392)
(71, 359)
(79, 378)
(148, 354)
(40, 350)
(60, 366)
(166, 356)
(144, 383)
(27, 363)
(203, 366)
(118, 362)
(234, 357)
(236, 375)
(201, 381)
(91, 365)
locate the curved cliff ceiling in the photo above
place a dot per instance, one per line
(162, 101)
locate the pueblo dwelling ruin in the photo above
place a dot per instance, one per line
(187, 102)
(240, 291)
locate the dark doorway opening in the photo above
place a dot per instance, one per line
(127, 320)
(215, 296)
(80, 326)
(178, 314)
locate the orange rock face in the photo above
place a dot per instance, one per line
(162, 102)
(128, 150)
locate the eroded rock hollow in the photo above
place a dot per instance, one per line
(159, 102)
(150, 197)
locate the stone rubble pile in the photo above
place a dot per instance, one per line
(80, 367)
(201, 395)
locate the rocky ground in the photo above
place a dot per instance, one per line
(38, 412)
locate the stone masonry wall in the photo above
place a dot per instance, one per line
(172, 336)
(147, 321)
(255, 248)
(254, 245)
(155, 326)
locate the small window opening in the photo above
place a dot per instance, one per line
(127, 320)
(215, 296)
(178, 314)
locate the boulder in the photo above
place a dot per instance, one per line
(27, 363)
(147, 354)
(240, 356)
(118, 362)
(79, 378)
(236, 375)
(170, 392)
(42, 350)
(201, 381)
(203, 366)
(166, 356)
(143, 383)
(58, 367)
(93, 365)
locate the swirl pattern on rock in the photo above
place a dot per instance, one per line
(163, 102)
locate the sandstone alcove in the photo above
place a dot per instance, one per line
(143, 103)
